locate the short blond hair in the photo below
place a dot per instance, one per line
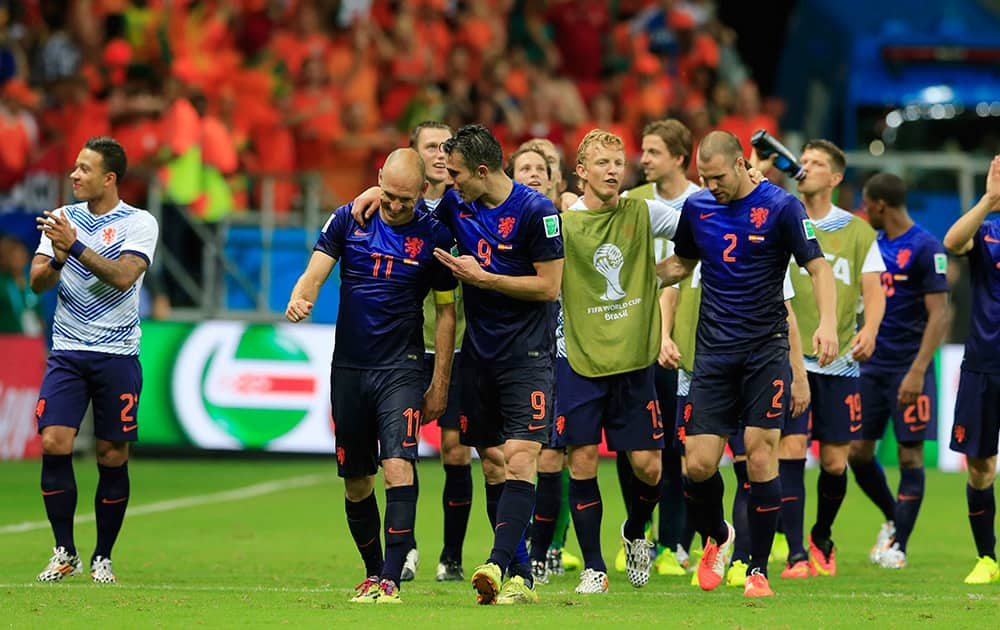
(598, 137)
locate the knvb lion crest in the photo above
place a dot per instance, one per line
(413, 246)
(108, 235)
(506, 226)
(903, 258)
(758, 216)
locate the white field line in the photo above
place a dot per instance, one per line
(237, 494)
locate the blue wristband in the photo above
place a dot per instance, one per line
(76, 249)
(55, 264)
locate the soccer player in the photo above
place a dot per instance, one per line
(666, 155)
(743, 234)
(95, 252)
(428, 138)
(977, 407)
(834, 417)
(376, 385)
(510, 263)
(607, 348)
(898, 380)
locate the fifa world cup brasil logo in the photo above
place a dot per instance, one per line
(608, 261)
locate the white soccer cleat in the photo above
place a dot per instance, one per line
(592, 581)
(892, 558)
(410, 566)
(100, 571)
(883, 542)
(61, 565)
(637, 559)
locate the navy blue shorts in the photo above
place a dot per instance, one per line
(977, 415)
(74, 378)
(666, 394)
(913, 423)
(452, 413)
(376, 416)
(733, 390)
(834, 413)
(505, 403)
(683, 417)
(624, 406)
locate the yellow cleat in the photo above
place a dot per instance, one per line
(737, 575)
(985, 572)
(667, 564)
(693, 565)
(779, 549)
(388, 593)
(515, 591)
(620, 560)
(486, 580)
(367, 592)
(571, 562)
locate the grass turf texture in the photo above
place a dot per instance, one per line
(286, 558)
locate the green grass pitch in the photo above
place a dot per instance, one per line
(263, 543)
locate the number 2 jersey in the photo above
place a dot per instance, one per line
(385, 274)
(982, 347)
(744, 248)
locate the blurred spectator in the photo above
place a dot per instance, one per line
(747, 116)
(18, 129)
(18, 305)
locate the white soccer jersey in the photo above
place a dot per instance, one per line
(90, 314)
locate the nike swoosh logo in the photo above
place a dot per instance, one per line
(464, 215)
(408, 444)
(129, 428)
(106, 501)
(762, 510)
(979, 513)
(399, 531)
(657, 436)
(499, 525)
(705, 215)
(914, 429)
(367, 543)
(360, 233)
(584, 506)
(774, 414)
(855, 428)
(783, 499)
(990, 239)
(460, 503)
(909, 497)
(544, 519)
(49, 493)
(746, 486)
(536, 427)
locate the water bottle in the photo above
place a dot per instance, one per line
(767, 145)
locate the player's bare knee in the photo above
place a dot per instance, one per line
(647, 466)
(861, 452)
(57, 440)
(762, 465)
(699, 470)
(397, 472)
(583, 462)
(911, 455)
(359, 488)
(792, 447)
(833, 458)
(112, 454)
(456, 455)
(982, 471)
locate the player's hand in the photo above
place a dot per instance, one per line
(825, 344)
(59, 230)
(993, 183)
(801, 396)
(465, 268)
(761, 165)
(298, 309)
(435, 402)
(910, 388)
(365, 205)
(670, 355)
(863, 345)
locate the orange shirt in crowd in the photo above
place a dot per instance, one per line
(744, 128)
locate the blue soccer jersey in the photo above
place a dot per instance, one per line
(744, 248)
(385, 273)
(506, 240)
(915, 265)
(983, 342)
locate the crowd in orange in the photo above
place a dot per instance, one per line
(281, 87)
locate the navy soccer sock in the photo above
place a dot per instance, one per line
(59, 495)
(793, 505)
(547, 503)
(587, 509)
(493, 493)
(911, 495)
(741, 522)
(673, 511)
(109, 506)
(513, 514)
(400, 515)
(705, 506)
(982, 512)
(364, 522)
(763, 508)
(871, 478)
(457, 501)
(643, 501)
(830, 491)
